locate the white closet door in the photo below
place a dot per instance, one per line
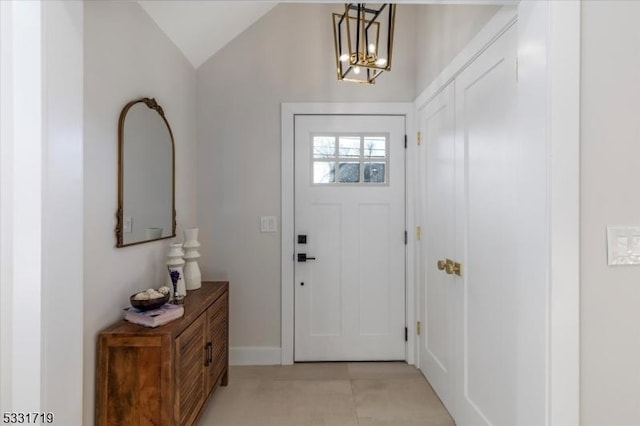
(486, 182)
(436, 299)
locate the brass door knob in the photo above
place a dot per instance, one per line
(457, 269)
(449, 267)
(441, 265)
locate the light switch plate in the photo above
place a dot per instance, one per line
(623, 245)
(128, 224)
(268, 224)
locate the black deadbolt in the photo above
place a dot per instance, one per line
(302, 239)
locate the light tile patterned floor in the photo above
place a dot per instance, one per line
(327, 394)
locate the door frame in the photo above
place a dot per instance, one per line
(289, 110)
(549, 60)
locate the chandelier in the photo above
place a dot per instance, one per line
(363, 37)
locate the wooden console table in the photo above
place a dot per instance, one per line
(164, 375)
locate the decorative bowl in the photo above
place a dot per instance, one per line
(146, 305)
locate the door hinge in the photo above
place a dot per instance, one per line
(406, 237)
(419, 139)
(405, 141)
(406, 334)
(418, 328)
(418, 232)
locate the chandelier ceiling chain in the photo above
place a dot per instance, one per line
(363, 37)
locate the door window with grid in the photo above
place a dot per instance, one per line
(350, 159)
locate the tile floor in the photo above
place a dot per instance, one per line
(328, 394)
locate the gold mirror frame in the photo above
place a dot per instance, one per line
(151, 104)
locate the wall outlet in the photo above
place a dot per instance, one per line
(268, 224)
(623, 244)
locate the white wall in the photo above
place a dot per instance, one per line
(21, 208)
(442, 32)
(41, 208)
(62, 201)
(6, 194)
(126, 57)
(610, 171)
(286, 56)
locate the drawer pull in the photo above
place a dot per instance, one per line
(207, 352)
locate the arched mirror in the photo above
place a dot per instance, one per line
(146, 167)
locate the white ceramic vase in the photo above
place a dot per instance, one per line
(175, 262)
(192, 274)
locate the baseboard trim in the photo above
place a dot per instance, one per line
(255, 355)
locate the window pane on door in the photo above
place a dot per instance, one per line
(374, 172)
(349, 172)
(324, 147)
(375, 147)
(324, 172)
(349, 146)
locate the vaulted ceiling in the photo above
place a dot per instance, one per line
(201, 28)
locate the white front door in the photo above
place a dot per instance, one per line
(349, 238)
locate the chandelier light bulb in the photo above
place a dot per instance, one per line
(372, 48)
(381, 62)
(356, 70)
(344, 57)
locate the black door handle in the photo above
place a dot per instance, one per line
(302, 257)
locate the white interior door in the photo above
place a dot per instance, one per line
(350, 226)
(486, 237)
(468, 350)
(437, 125)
